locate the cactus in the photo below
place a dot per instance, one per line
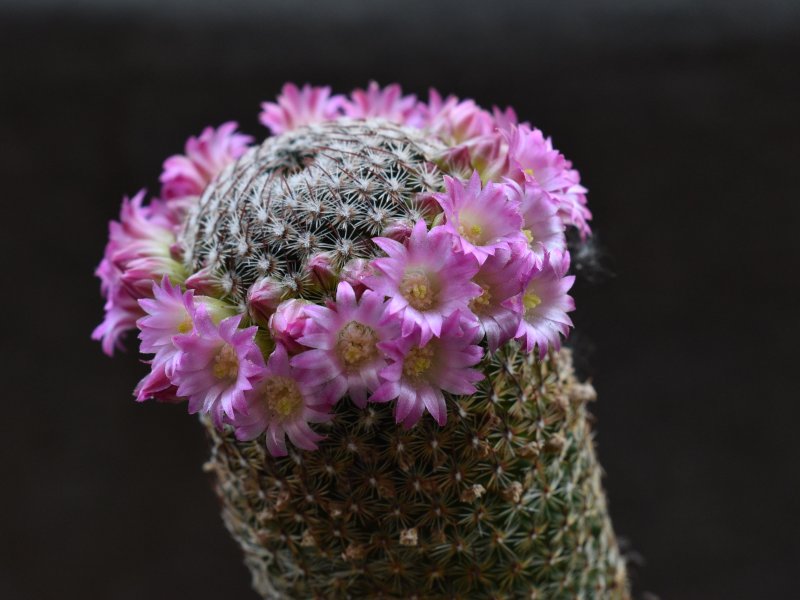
(499, 494)
(504, 501)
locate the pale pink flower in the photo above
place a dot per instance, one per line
(218, 364)
(282, 403)
(140, 251)
(263, 299)
(169, 313)
(388, 103)
(344, 340)
(545, 303)
(454, 120)
(542, 226)
(422, 370)
(502, 279)
(426, 280)
(355, 272)
(481, 220)
(534, 161)
(204, 157)
(300, 106)
(287, 325)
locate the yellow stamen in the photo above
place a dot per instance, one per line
(226, 363)
(185, 326)
(416, 288)
(479, 304)
(529, 235)
(356, 344)
(528, 171)
(531, 301)
(472, 234)
(281, 396)
(418, 361)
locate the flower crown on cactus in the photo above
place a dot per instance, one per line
(376, 247)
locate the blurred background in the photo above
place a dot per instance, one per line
(683, 119)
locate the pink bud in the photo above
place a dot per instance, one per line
(323, 274)
(263, 299)
(289, 323)
(205, 282)
(399, 231)
(354, 272)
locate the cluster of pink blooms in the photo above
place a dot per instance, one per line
(407, 327)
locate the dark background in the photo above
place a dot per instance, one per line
(682, 117)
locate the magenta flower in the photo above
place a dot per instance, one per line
(300, 106)
(545, 303)
(157, 385)
(542, 226)
(534, 161)
(139, 252)
(218, 364)
(343, 339)
(426, 280)
(482, 220)
(282, 404)
(421, 370)
(454, 120)
(288, 324)
(502, 279)
(388, 103)
(204, 157)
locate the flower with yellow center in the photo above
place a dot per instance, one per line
(282, 397)
(418, 361)
(531, 301)
(226, 363)
(355, 344)
(416, 287)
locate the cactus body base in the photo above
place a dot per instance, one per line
(505, 501)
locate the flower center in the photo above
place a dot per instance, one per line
(472, 233)
(529, 171)
(480, 303)
(416, 288)
(282, 397)
(356, 344)
(185, 326)
(531, 301)
(418, 361)
(529, 235)
(226, 363)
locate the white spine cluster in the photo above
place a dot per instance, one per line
(324, 188)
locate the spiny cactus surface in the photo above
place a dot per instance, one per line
(323, 188)
(504, 501)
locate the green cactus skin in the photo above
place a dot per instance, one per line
(505, 501)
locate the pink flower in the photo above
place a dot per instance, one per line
(533, 160)
(421, 370)
(139, 252)
(427, 280)
(542, 226)
(204, 157)
(218, 364)
(499, 307)
(344, 355)
(388, 103)
(482, 220)
(121, 309)
(546, 303)
(282, 404)
(300, 106)
(169, 313)
(288, 324)
(454, 120)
